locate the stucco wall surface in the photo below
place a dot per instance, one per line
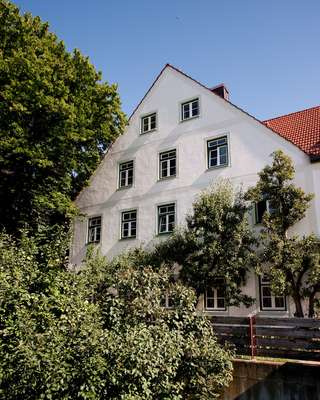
(250, 146)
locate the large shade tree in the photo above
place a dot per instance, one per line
(291, 261)
(57, 118)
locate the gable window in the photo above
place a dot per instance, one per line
(268, 300)
(166, 218)
(129, 224)
(190, 109)
(214, 298)
(126, 174)
(218, 152)
(261, 207)
(149, 123)
(94, 230)
(168, 161)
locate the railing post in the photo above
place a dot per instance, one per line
(253, 340)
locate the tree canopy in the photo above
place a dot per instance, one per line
(216, 246)
(292, 262)
(57, 118)
(101, 333)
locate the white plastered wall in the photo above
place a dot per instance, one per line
(250, 146)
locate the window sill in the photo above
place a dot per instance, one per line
(273, 313)
(217, 167)
(145, 133)
(167, 178)
(128, 238)
(93, 243)
(164, 233)
(213, 313)
(189, 119)
(124, 187)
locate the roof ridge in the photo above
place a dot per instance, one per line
(291, 113)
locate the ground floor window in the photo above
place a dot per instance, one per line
(269, 301)
(214, 298)
(167, 301)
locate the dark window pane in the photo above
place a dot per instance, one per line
(172, 170)
(267, 302)
(210, 292)
(210, 302)
(220, 303)
(170, 302)
(266, 291)
(261, 208)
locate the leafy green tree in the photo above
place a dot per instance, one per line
(57, 118)
(215, 246)
(292, 262)
(101, 333)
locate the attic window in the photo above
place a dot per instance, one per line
(190, 109)
(149, 123)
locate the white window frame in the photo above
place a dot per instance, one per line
(215, 299)
(268, 210)
(168, 163)
(188, 104)
(226, 145)
(132, 224)
(166, 215)
(167, 299)
(126, 174)
(264, 281)
(148, 118)
(96, 229)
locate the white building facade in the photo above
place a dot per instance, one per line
(181, 138)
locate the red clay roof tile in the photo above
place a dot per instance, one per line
(302, 128)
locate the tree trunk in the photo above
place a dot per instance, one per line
(311, 304)
(297, 301)
(312, 298)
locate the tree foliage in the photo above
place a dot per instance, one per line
(292, 262)
(56, 121)
(216, 243)
(101, 333)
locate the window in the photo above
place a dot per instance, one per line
(148, 123)
(261, 207)
(94, 230)
(129, 224)
(269, 301)
(166, 218)
(190, 109)
(168, 161)
(167, 301)
(126, 174)
(218, 152)
(215, 298)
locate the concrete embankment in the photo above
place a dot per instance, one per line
(268, 380)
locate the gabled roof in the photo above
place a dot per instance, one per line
(302, 128)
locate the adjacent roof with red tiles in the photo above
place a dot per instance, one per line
(302, 128)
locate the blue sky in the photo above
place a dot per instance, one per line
(267, 52)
